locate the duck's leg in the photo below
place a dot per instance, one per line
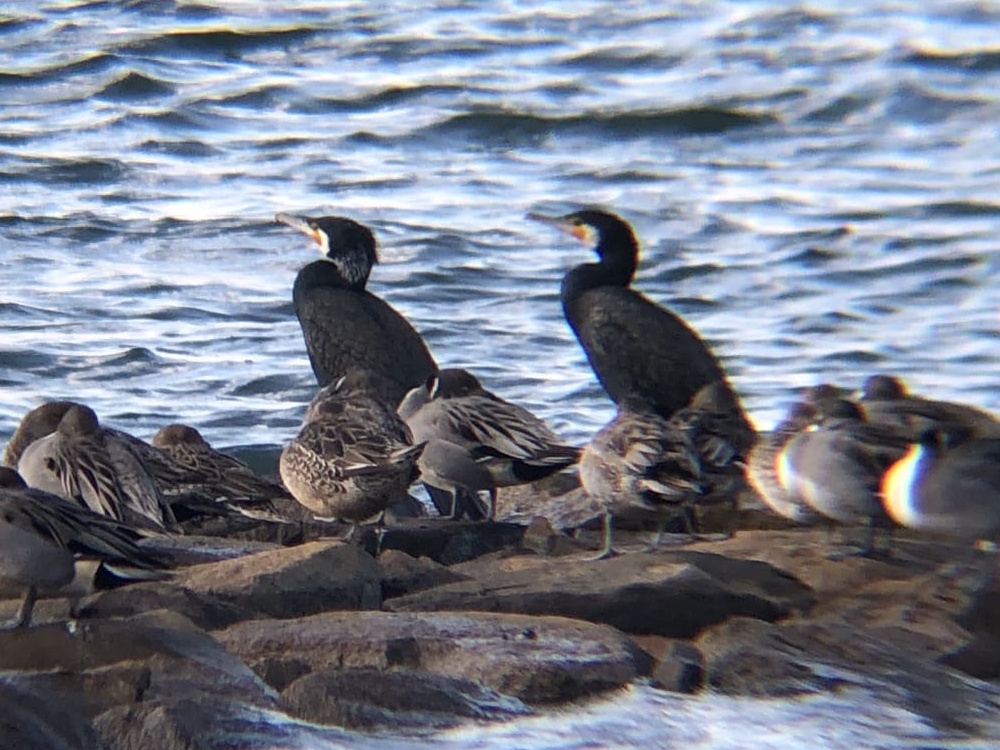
(606, 550)
(492, 516)
(27, 607)
(379, 532)
(654, 543)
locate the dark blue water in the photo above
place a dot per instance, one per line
(816, 190)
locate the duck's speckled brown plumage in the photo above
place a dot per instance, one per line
(352, 457)
(641, 464)
(219, 475)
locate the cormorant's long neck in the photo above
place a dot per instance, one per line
(322, 274)
(619, 257)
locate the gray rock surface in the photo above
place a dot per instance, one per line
(401, 699)
(535, 659)
(671, 593)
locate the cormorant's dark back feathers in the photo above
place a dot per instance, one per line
(346, 327)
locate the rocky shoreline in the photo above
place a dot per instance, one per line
(460, 621)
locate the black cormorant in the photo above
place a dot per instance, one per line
(347, 327)
(636, 348)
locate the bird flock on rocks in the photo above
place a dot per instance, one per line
(385, 415)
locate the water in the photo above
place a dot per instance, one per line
(815, 190)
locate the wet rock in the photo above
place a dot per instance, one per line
(755, 658)
(33, 719)
(670, 593)
(403, 574)
(536, 659)
(200, 722)
(376, 699)
(681, 669)
(96, 689)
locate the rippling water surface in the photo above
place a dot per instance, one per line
(816, 191)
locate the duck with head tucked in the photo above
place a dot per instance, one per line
(42, 537)
(477, 440)
(947, 483)
(84, 462)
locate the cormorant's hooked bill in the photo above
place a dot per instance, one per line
(571, 224)
(305, 225)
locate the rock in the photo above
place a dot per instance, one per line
(747, 657)
(559, 499)
(183, 550)
(122, 661)
(403, 574)
(935, 598)
(33, 719)
(444, 541)
(96, 689)
(681, 669)
(200, 722)
(293, 582)
(377, 699)
(205, 610)
(536, 659)
(670, 593)
(238, 527)
(283, 582)
(542, 539)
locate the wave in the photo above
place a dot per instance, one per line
(132, 86)
(69, 171)
(217, 43)
(387, 97)
(492, 124)
(87, 65)
(976, 61)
